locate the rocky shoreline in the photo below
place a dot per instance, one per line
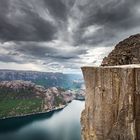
(20, 98)
(36, 113)
(23, 98)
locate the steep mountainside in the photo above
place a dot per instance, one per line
(46, 79)
(112, 110)
(126, 52)
(19, 98)
(112, 106)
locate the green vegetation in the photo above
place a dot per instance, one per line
(9, 107)
(42, 82)
(21, 102)
(18, 98)
(59, 100)
(65, 81)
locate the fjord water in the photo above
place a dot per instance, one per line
(58, 125)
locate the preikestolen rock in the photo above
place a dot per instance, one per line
(112, 106)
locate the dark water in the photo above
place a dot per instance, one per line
(60, 125)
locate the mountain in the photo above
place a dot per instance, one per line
(112, 110)
(46, 79)
(19, 98)
(125, 52)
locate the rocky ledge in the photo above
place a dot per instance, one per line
(112, 110)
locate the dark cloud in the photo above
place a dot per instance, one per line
(114, 13)
(19, 22)
(57, 8)
(9, 59)
(114, 16)
(41, 51)
(64, 32)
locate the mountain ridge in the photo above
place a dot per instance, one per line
(47, 79)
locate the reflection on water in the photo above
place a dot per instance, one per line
(9, 124)
(60, 125)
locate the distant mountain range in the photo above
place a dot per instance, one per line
(31, 92)
(46, 79)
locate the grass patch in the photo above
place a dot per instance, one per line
(13, 107)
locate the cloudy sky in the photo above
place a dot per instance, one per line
(63, 35)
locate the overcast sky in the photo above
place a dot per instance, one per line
(63, 35)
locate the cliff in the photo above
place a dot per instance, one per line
(112, 109)
(125, 52)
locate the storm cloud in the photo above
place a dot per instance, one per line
(63, 35)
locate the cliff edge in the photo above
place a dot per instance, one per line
(112, 109)
(112, 105)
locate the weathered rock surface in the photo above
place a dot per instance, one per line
(112, 110)
(126, 52)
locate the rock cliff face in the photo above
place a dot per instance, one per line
(126, 52)
(112, 110)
